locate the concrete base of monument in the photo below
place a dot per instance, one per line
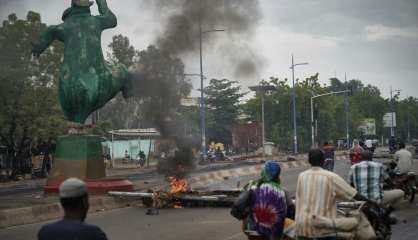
(81, 156)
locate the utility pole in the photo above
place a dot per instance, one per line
(262, 89)
(202, 100)
(408, 123)
(392, 132)
(347, 130)
(263, 131)
(409, 129)
(295, 134)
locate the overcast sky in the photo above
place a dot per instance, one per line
(372, 40)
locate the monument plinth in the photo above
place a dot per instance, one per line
(80, 155)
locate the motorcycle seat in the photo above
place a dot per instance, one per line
(350, 205)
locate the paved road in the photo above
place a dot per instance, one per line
(132, 223)
(171, 224)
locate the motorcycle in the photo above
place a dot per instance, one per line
(377, 216)
(406, 182)
(356, 220)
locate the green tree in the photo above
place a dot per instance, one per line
(365, 101)
(222, 99)
(28, 92)
(122, 51)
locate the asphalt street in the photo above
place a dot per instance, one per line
(204, 223)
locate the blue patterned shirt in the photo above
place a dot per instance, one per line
(367, 177)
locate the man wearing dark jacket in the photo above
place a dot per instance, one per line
(75, 202)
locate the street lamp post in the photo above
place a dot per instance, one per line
(262, 89)
(295, 135)
(312, 115)
(202, 100)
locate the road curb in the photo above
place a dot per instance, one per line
(45, 212)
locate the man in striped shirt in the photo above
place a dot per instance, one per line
(316, 193)
(368, 177)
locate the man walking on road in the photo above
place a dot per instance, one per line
(74, 200)
(329, 155)
(316, 193)
(368, 177)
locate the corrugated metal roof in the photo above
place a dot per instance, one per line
(136, 132)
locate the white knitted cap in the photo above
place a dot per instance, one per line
(72, 187)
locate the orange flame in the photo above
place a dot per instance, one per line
(177, 185)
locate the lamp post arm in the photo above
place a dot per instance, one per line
(312, 111)
(214, 30)
(330, 93)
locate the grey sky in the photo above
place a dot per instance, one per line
(372, 40)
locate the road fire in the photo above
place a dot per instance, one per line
(177, 185)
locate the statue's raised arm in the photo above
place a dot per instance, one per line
(107, 18)
(52, 33)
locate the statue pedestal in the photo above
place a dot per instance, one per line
(80, 156)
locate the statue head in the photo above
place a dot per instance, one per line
(81, 3)
(77, 6)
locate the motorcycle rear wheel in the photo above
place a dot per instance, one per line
(411, 190)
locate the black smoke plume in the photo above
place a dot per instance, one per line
(239, 19)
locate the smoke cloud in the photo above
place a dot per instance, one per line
(239, 19)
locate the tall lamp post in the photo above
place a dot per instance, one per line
(312, 114)
(295, 135)
(202, 101)
(262, 89)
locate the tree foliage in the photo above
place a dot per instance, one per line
(28, 92)
(222, 99)
(365, 101)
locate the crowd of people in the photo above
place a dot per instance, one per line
(318, 190)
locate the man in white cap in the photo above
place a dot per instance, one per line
(75, 202)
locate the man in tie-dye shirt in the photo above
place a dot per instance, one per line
(268, 203)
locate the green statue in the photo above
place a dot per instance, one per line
(85, 83)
